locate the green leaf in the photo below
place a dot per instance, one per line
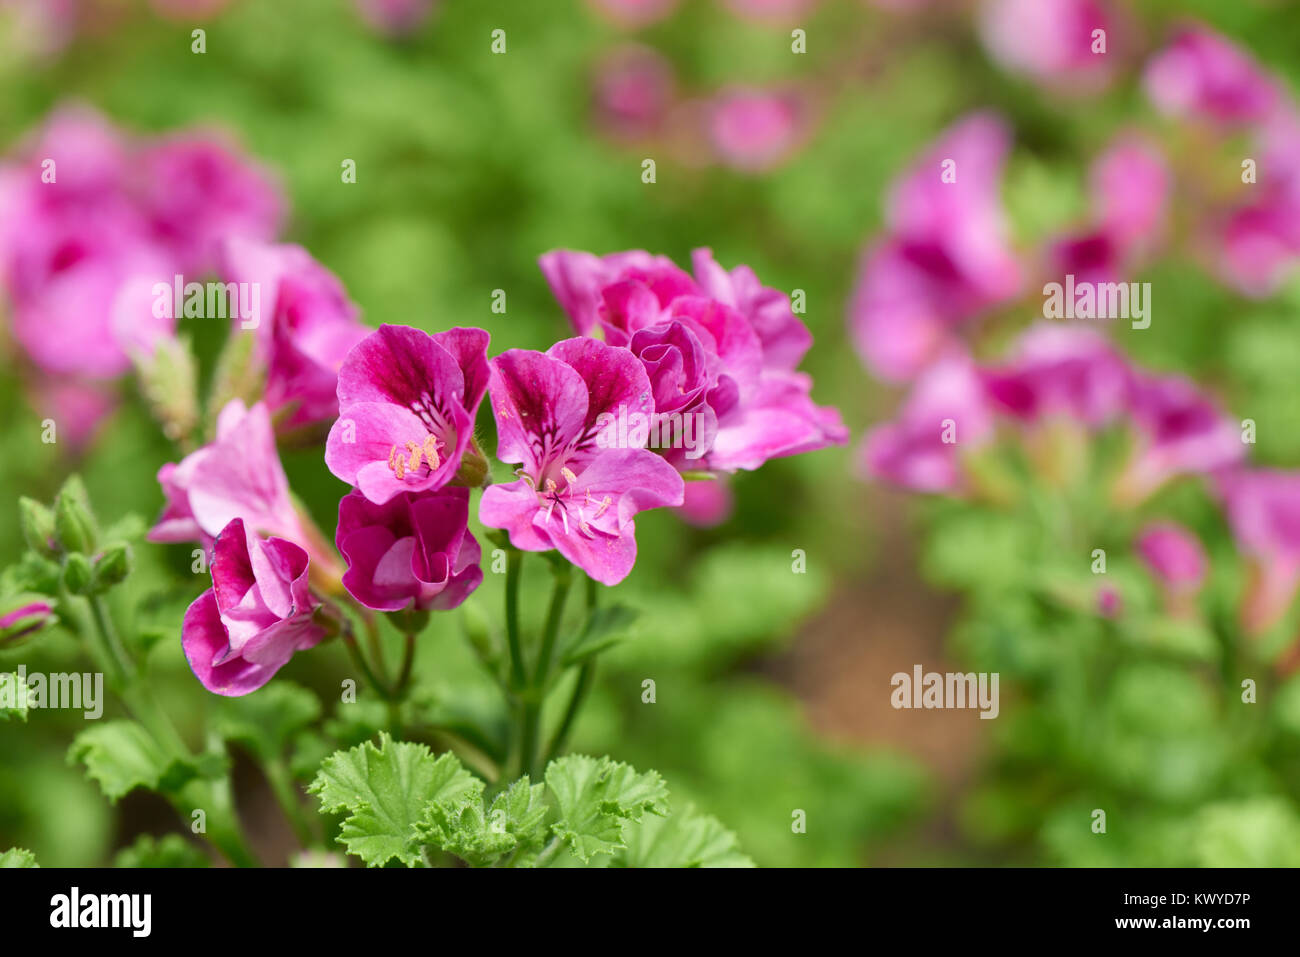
(171, 850)
(606, 626)
(386, 791)
(13, 698)
(121, 756)
(685, 838)
(515, 821)
(267, 720)
(595, 797)
(17, 857)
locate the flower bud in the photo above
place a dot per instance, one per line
(74, 528)
(37, 523)
(77, 574)
(112, 566)
(23, 622)
(473, 471)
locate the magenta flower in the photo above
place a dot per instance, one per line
(1263, 510)
(258, 612)
(944, 261)
(755, 130)
(946, 414)
(1259, 241)
(200, 193)
(79, 406)
(707, 503)
(1180, 431)
(1174, 555)
(306, 328)
(413, 551)
(407, 402)
(1203, 75)
(1058, 371)
(588, 287)
(238, 476)
(577, 492)
(634, 88)
(1051, 40)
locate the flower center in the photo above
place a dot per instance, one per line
(550, 496)
(410, 461)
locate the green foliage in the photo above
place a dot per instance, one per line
(171, 850)
(17, 857)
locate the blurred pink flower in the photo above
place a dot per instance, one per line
(78, 407)
(394, 18)
(708, 502)
(1263, 509)
(946, 413)
(1051, 40)
(755, 130)
(1174, 555)
(1203, 75)
(633, 92)
(634, 13)
(1110, 603)
(1259, 240)
(944, 260)
(1061, 371)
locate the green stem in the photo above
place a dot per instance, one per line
(514, 571)
(277, 775)
(408, 662)
(358, 659)
(553, 616)
(585, 675)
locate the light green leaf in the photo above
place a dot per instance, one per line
(386, 791)
(515, 821)
(605, 627)
(171, 850)
(685, 838)
(595, 797)
(121, 756)
(13, 698)
(17, 857)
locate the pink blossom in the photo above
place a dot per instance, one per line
(707, 503)
(1051, 40)
(1263, 510)
(237, 476)
(414, 551)
(1259, 240)
(407, 402)
(755, 130)
(946, 414)
(1203, 75)
(1174, 555)
(258, 612)
(78, 406)
(634, 88)
(577, 492)
(1061, 371)
(306, 329)
(944, 260)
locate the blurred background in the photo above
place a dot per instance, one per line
(773, 687)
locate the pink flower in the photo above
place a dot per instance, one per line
(77, 406)
(577, 493)
(1174, 555)
(199, 193)
(634, 89)
(634, 13)
(306, 329)
(413, 551)
(237, 476)
(394, 18)
(1263, 510)
(1201, 74)
(1110, 603)
(707, 503)
(258, 612)
(1050, 40)
(1180, 431)
(579, 281)
(755, 130)
(1058, 371)
(1259, 240)
(945, 259)
(947, 412)
(407, 402)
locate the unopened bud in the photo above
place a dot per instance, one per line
(77, 574)
(37, 523)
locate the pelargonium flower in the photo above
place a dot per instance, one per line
(200, 193)
(1202, 74)
(707, 503)
(406, 409)
(577, 491)
(1174, 554)
(307, 327)
(754, 130)
(414, 551)
(1263, 511)
(944, 260)
(258, 612)
(1051, 40)
(634, 88)
(718, 345)
(1061, 371)
(239, 475)
(946, 414)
